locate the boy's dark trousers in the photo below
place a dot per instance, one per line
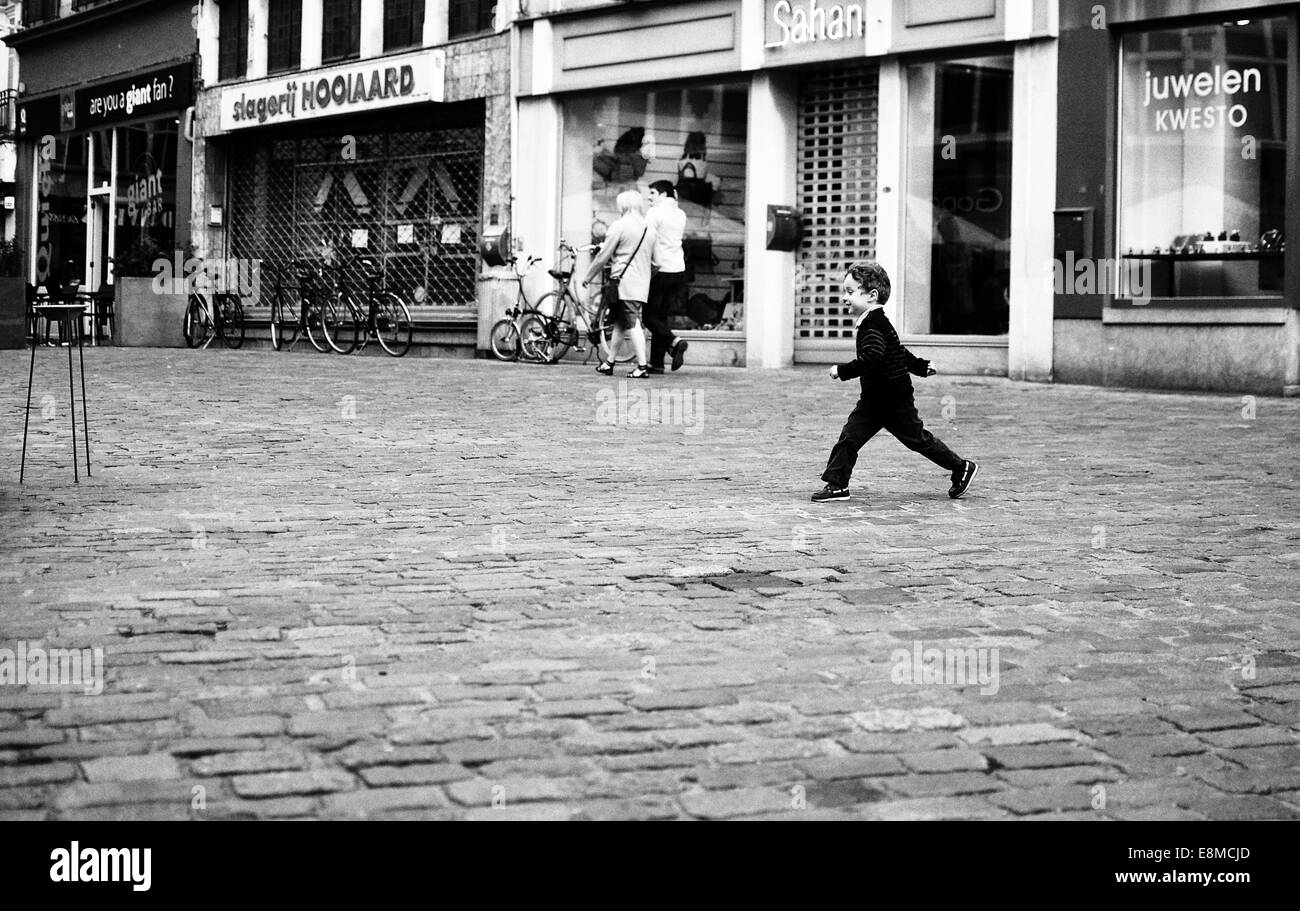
(665, 287)
(898, 415)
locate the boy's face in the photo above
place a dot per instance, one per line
(855, 298)
(655, 196)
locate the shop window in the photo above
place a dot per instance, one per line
(403, 24)
(469, 17)
(61, 212)
(232, 52)
(283, 35)
(342, 30)
(146, 186)
(694, 138)
(957, 239)
(1202, 168)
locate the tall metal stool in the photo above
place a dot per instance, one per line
(69, 318)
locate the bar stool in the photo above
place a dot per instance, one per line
(69, 318)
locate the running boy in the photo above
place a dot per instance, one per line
(882, 365)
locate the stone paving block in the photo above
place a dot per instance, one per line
(506, 791)
(733, 803)
(272, 760)
(282, 784)
(41, 773)
(415, 774)
(526, 812)
(943, 784)
(366, 803)
(945, 761)
(931, 808)
(852, 766)
(151, 767)
(1038, 756)
(1018, 734)
(1023, 801)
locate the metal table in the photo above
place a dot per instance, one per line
(69, 319)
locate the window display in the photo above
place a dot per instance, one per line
(1203, 158)
(694, 138)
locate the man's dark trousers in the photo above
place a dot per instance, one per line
(664, 290)
(897, 414)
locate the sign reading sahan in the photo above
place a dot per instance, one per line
(349, 89)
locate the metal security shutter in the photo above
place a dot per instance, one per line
(837, 195)
(410, 199)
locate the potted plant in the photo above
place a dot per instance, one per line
(149, 305)
(13, 296)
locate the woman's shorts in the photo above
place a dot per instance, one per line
(631, 313)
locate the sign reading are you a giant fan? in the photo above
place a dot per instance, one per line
(353, 88)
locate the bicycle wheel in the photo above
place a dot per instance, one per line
(230, 319)
(626, 353)
(561, 332)
(393, 324)
(285, 324)
(537, 338)
(505, 340)
(341, 322)
(197, 325)
(315, 334)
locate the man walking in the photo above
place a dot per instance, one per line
(668, 283)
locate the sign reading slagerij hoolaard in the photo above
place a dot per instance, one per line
(352, 88)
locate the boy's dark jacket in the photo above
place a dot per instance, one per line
(882, 364)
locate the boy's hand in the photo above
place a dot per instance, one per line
(834, 372)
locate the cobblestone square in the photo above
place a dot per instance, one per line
(336, 587)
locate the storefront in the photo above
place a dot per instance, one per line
(889, 127)
(103, 158)
(1174, 191)
(397, 151)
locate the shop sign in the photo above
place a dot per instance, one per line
(39, 117)
(161, 91)
(1172, 100)
(795, 23)
(352, 88)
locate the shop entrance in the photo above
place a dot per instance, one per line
(837, 194)
(97, 253)
(410, 198)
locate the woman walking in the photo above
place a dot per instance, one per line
(628, 246)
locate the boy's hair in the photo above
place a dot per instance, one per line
(665, 187)
(871, 276)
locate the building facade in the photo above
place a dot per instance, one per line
(102, 153)
(332, 129)
(1176, 187)
(916, 132)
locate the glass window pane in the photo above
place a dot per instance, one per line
(692, 137)
(1203, 158)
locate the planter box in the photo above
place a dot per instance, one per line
(146, 319)
(13, 312)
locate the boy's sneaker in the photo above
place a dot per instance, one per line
(605, 369)
(679, 354)
(639, 373)
(830, 492)
(961, 478)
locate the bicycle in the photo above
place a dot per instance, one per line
(547, 337)
(504, 337)
(385, 317)
(202, 322)
(291, 317)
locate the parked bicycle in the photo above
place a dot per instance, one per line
(293, 315)
(504, 338)
(383, 316)
(222, 318)
(562, 321)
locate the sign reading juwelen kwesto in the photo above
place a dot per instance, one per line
(353, 88)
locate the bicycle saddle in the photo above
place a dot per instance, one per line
(558, 275)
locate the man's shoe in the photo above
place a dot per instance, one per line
(605, 369)
(655, 370)
(639, 373)
(679, 354)
(830, 492)
(961, 478)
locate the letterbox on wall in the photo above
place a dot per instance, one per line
(494, 246)
(784, 227)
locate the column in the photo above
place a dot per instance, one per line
(258, 16)
(435, 22)
(1033, 193)
(313, 30)
(769, 179)
(372, 28)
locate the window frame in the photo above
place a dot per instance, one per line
(291, 22)
(352, 18)
(232, 61)
(412, 22)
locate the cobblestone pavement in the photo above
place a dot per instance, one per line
(342, 587)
